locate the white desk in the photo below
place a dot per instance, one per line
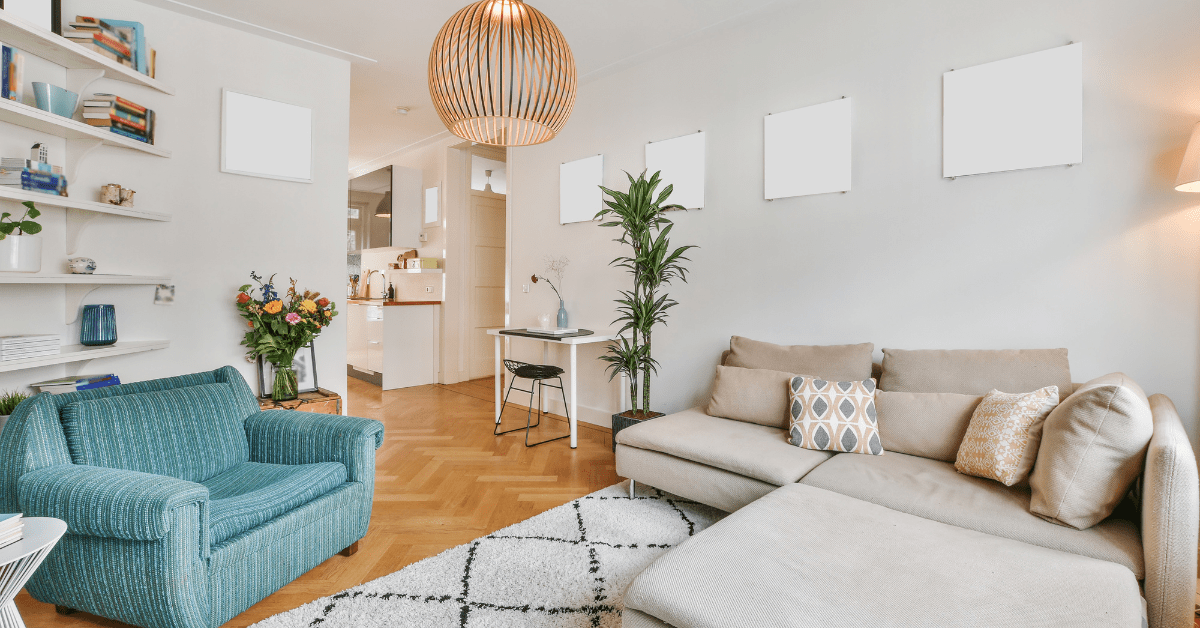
(573, 342)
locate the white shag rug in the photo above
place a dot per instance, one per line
(567, 567)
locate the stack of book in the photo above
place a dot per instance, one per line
(121, 116)
(12, 73)
(65, 385)
(11, 529)
(28, 346)
(37, 176)
(120, 40)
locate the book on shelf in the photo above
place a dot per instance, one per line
(17, 164)
(48, 182)
(28, 339)
(110, 100)
(121, 116)
(65, 385)
(136, 36)
(12, 528)
(12, 73)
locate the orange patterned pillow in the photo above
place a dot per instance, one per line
(1002, 440)
(834, 416)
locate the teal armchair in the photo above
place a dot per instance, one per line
(185, 503)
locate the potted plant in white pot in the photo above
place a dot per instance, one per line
(653, 265)
(8, 404)
(20, 246)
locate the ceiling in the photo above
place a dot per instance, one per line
(398, 35)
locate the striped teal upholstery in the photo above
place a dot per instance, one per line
(158, 432)
(141, 547)
(253, 493)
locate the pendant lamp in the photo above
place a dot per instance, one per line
(501, 73)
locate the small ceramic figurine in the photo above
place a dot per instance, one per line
(127, 198)
(81, 265)
(110, 193)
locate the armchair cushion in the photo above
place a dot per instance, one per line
(291, 437)
(254, 493)
(191, 433)
(109, 503)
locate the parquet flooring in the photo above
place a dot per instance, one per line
(442, 479)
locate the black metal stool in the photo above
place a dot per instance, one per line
(537, 373)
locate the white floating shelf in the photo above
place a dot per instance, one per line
(50, 200)
(43, 121)
(417, 271)
(61, 51)
(95, 280)
(80, 353)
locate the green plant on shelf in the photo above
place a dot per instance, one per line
(25, 225)
(9, 401)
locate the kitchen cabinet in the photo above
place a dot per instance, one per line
(393, 344)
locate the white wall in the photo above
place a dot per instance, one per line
(224, 225)
(1100, 258)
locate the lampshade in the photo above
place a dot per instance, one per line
(501, 73)
(1189, 173)
(384, 210)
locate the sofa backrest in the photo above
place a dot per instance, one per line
(191, 433)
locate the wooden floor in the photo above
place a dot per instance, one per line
(442, 479)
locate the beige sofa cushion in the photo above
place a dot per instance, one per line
(934, 490)
(930, 425)
(708, 485)
(972, 372)
(1002, 440)
(755, 451)
(1093, 448)
(834, 416)
(834, 362)
(802, 556)
(751, 395)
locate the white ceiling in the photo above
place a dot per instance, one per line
(603, 34)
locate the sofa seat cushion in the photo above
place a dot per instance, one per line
(934, 490)
(755, 451)
(802, 556)
(191, 433)
(254, 493)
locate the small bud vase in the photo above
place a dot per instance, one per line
(562, 315)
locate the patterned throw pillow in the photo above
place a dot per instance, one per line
(1002, 440)
(834, 416)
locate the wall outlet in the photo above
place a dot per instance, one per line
(423, 237)
(428, 288)
(525, 287)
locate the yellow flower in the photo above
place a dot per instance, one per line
(308, 306)
(273, 307)
(328, 314)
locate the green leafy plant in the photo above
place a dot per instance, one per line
(9, 401)
(653, 264)
(24, 225)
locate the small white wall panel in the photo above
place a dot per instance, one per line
(1025, 112)
(579, 196)
(431, 206)
(807, 151)
(266, 138)
(681, 161)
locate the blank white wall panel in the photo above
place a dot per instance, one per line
(681, 161)
(579, 196)
(266, 138)
(807, 150)
(1024, 112)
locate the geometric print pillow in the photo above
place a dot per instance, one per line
(1002, 439)
(834, 416)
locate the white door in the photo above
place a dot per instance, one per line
(486, 280)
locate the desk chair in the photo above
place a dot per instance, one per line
(538, 374)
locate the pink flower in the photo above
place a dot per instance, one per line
(292, 318)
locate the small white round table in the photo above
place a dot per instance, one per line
(19, 560)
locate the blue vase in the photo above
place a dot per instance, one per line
(562, 315)
(99, 326)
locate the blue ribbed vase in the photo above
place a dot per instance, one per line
(99, 325)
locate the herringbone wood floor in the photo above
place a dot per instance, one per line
(442, 479)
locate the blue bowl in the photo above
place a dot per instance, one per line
(55, 99)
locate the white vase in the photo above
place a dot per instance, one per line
(21, 254)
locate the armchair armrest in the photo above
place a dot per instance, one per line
(110, 503)
(291, 437)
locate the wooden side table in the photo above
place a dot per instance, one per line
(19, 560)
(322, 402)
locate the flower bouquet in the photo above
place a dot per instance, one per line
(279, 328)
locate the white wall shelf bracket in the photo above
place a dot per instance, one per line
(79, 80)
(76, 293)
(77, 221)
(77, 152)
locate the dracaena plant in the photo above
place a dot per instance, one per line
(653, 264)
(24, 225)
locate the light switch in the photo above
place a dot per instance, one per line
(428, 288)
(524, 287)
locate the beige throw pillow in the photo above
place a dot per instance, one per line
(834, 416)
(929, 425)
(1002, 439)
(751, 395)
(1093, 449)
(835, 362)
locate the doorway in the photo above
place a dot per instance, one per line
(487, 220)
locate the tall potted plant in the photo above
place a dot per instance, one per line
(20, 247)
(653, 264)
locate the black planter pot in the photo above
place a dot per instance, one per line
(621, 421)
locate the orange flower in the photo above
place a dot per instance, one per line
(250, 323)
(274, 307)
(328, 314)
(323, 302)
(242, 297)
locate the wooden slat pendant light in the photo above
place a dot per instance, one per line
(501, 73)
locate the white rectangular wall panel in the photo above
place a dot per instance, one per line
(681, 161)
(431, 207)
(579, 195)
(266, 138)
(807, 151)
(1025, 112)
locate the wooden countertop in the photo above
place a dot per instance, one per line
(391, 303)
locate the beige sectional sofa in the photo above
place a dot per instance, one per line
(1142, 559)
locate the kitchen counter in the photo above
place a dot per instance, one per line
(391, 303)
